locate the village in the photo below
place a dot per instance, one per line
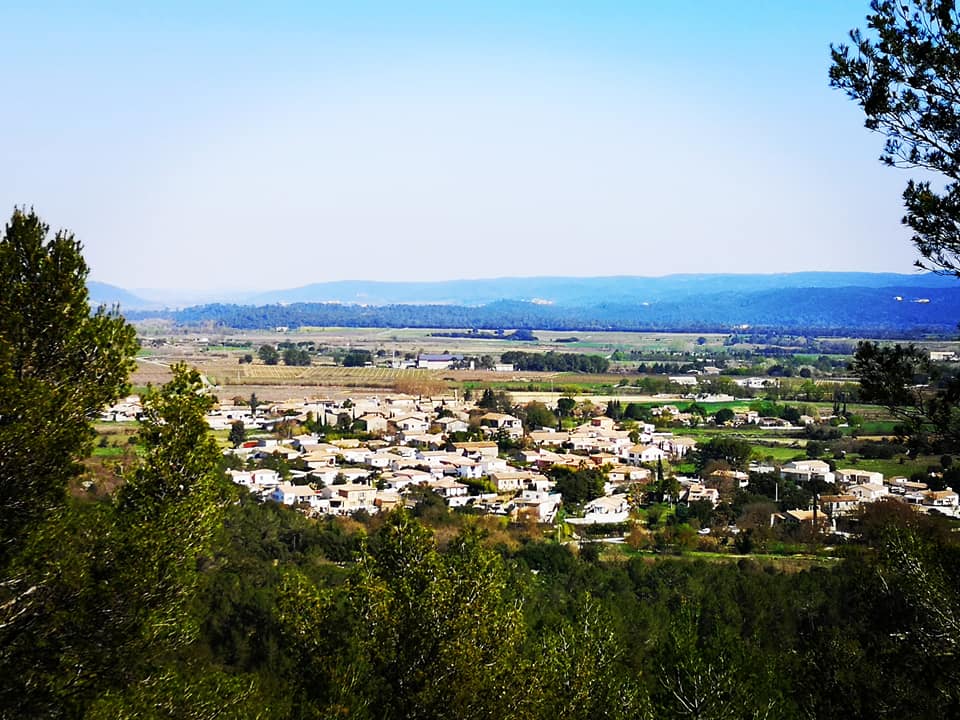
(387, 450)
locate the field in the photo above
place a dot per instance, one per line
(317, 375)
(429, 340)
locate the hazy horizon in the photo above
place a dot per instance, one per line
(230, 147)
(490, 289)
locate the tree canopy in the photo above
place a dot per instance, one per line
(923, 395)
(96, 598)
(60, 364)
(904, 72)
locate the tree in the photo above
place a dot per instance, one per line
(268, 355)
(538, 415)
(96, 599)
(923, 395)
(565, 406)
(357, 358)
(59, 365)
(815, 448)
(100, 603)
(615, 410)
(495, 401)
(296, 356)
(723, 416)
(736, 453)
(435, 634)
(238, 433)
(172, 505)
(905, 75)
(577, 486)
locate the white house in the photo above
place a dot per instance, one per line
(837, 505)
(541, 504)
(509, 481)
(697, 491)
(941, 498)
(549, 437)
(621, 474)
(868, 492)
(607, 509)
(374, 422)
(449, 488)
(452, 425)
(801, 471)
(491, 423)
(607, 505)
(859, 477)
(295, 495)
(346, 499)
(477, 450)
(412, 424)
(677, 446)
(643, 454)
(256, 479)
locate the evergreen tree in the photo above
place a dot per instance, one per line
(60, 365)
(107, 590)
(96, 599)
(238, 433)
(904, 72)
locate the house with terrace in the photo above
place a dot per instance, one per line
(346, 499)
(492, 423)
(805, 471)
(851, 476)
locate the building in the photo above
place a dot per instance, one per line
(492, 423)
(643, 454)
(437, 362)
(803, 471)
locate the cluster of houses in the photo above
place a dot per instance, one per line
(347, 476)
(415, 447)
(854, 487)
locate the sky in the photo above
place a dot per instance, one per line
(253, 146)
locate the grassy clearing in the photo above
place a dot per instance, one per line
(889, 468)
(878, 427)
(779, 454)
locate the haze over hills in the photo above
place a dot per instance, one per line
(825, 302)
(564, 291)
(105, 294)
(578, 291)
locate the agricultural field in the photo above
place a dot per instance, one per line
(429, 340)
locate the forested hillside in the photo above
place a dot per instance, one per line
(895, 311)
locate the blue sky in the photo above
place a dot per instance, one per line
(256, 146)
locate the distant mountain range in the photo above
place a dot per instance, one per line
(573, 291)
(577, 292)
(814, 300)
